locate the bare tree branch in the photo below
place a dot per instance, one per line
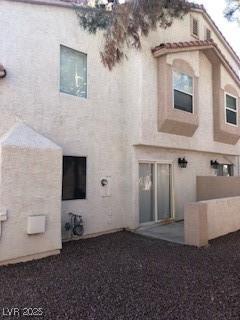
(124, 24)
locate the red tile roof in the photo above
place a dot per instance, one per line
(165, 48)
(186, 44)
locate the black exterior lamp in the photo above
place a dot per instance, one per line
(3, 72)
(182, 162)
(104, 182)
(214, 164)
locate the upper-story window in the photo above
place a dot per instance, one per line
(183, 91)
(208, 34)
(231, 112)
(73, 72)
(195, 27)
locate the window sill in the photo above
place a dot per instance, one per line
(194, 36)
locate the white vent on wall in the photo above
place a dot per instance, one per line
(36, 224)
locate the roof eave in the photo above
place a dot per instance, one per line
(164, 51)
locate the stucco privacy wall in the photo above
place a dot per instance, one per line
(217, 187)
(184, 180)
(30, 189)
(206, 220)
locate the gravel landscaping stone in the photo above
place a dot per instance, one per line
(127, 276)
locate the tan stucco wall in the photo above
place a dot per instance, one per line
(171, 120)
(203, 138)
(120, 111)
(92, 127)
(184, 180)
(222, 83)
(206, 220)
(217, 187)
(30, 185)
(203, 23)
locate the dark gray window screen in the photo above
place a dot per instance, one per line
(231, 109)
(74, 178)
(231, 117)
(183, 101)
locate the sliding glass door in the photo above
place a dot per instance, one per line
(163, 191)
(146, 192)
(155, 192)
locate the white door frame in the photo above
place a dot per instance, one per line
(172, 213)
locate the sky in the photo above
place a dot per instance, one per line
(231, 30)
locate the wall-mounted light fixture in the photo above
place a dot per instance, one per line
(3, 72)
(182, 162)
(214, 164)
(104, 182)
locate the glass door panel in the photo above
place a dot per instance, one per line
(163, 191)
(146, 192)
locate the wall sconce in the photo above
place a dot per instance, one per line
(3, 72)
(104, 182)
(214, 164)
(182, 162)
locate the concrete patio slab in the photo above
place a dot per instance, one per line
(173, 232)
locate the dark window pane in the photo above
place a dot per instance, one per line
(231, 102)
(225, 170)
(195, 27)
(74, 178)
(231, 117)
(182, 101)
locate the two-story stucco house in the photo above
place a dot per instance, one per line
(132, 139)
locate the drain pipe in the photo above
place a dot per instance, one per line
(238, 162)
(3, 217)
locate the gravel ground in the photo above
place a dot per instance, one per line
(126, 276)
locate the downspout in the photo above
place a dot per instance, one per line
(3, 217)
(238, 161)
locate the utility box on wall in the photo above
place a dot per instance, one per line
(30, 190)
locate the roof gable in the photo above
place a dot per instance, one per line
(200, 9)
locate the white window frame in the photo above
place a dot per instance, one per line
(59, 82)
(177, 71)
(226, 108)
(172, 190)
(206, 32)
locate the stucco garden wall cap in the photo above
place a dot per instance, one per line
(166, 48)
(21, 135)
(230, 199)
